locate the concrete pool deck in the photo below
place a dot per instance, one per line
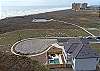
(32, 46)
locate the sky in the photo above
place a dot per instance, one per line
(45, 2)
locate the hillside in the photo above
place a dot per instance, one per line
(13, 29)
(87, 19)
(18, 63)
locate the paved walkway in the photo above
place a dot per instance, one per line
(76, 26)
(46, 44)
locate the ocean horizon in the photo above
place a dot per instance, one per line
(12, 11)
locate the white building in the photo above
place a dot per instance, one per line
(80, 55)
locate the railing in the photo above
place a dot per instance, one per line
(59, 66)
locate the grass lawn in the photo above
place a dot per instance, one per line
(86, 19)
(96, 46)
(11, 37)
(95, 32)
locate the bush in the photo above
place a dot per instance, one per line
(19, 63)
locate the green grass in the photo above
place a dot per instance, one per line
(11, 37)
(95, 32)
(86, 19)
(96, 46)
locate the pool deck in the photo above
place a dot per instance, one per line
(32, 46)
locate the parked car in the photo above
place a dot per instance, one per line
(98, 37)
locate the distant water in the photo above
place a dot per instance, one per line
(10, 11)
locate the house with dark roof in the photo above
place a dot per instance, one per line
(80, 55)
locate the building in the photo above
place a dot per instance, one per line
(79, 6)
(76, 6)
(81, 56)
(84, 6)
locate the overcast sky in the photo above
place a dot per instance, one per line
(45, 2)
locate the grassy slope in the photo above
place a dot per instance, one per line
(84, 19)
(95, 32)
(19, 63)
(96, 46)
(87, 19)
(11, 37)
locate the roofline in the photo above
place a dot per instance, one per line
(86, 57)
(79, 50)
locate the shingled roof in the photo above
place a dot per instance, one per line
(87, 52)
(79, 50)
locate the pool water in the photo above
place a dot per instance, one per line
(55, 61)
